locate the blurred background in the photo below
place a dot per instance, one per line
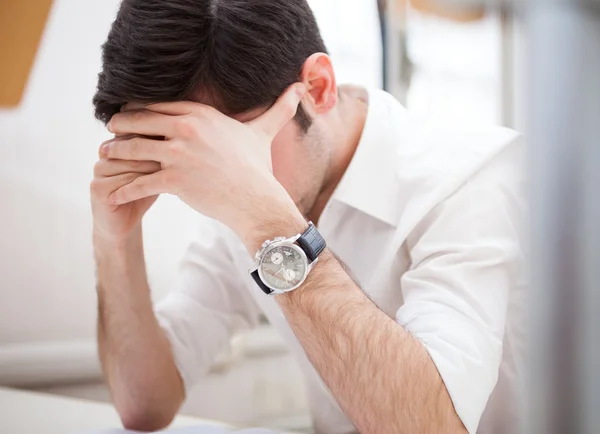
(457, 64)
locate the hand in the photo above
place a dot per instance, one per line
(114, 223)
(215, 164)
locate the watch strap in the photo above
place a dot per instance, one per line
(312, 242)
(260, 283)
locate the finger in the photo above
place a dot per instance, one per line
(141, 187)
(142, 122)
(136, 148)
(106, 168)
(182, 108)
(283, 111)
(104, 187)
(132, 106)
(119, 137)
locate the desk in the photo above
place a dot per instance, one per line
(24, 412)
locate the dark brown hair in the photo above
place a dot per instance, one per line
(236, 54)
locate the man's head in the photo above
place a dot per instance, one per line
(235, 55)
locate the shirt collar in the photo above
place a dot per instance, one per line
(371, 183)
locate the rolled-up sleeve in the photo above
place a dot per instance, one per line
(466, 257)
(206, 307)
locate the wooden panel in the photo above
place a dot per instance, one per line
(445, 9)
(21, 26)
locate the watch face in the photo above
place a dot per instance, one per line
(283, 267)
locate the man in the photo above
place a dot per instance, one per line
(405, 323)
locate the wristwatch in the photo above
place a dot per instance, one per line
(283, 264)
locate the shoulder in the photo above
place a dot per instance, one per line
(434, 162)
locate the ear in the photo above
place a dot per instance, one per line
(318, 76)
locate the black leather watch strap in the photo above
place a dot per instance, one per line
(312, 242)
(260, 283)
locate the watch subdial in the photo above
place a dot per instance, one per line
(283, 267)
(276, 258)
(289, 275)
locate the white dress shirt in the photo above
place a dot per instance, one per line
(427, 218)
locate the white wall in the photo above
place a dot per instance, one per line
(352, 34)
(48, 147)
(456, 76)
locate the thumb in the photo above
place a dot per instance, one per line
(283, 111)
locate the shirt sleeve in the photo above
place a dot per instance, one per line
(466, 257)
(207, 307)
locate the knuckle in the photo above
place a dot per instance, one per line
(104, 149)
(136, 117)
(176, 148)
(134, 164)
(95, 188)
(98, 167)
(186, 127)
(130, 178)
(113, 123)
(134, 146)
(205, 110)
(139, 185)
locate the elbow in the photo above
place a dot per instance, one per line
(146, 419)
(151, 408)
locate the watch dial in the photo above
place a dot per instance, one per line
(283, 267)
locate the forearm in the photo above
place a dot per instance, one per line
(382, 377)
(136, 357)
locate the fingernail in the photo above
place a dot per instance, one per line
(113, 199)
(104, 149)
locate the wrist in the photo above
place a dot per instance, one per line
(327, 284)
(282, 220)
(120, 263)
(117, 247)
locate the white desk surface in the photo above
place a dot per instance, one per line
(24, 412)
